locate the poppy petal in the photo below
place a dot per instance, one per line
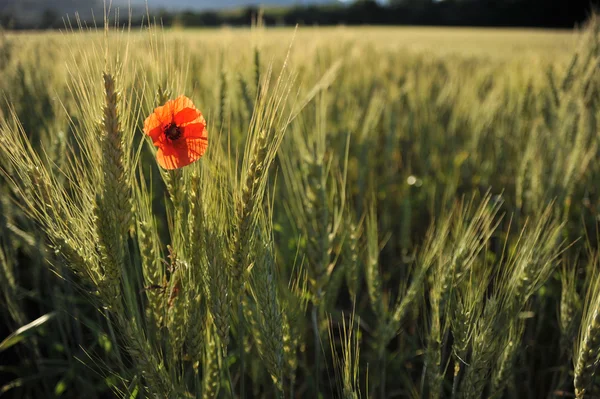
(194, 131)
(151, 123)
(165, 113)
(180, 103)
(156, 134)
(197, 147)
(168, 157)
(186, 115)
(181, 153)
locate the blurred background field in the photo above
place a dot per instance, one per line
(503, 43)
(390, 212)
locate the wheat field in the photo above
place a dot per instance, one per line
(380, 213)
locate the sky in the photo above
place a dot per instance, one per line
(212, 4)
(31, 10)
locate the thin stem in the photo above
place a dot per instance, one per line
(241, 348)
(423, 374)
(278, 393)
(455, 379)
(315, 325)
(231, 390)
(382, 367)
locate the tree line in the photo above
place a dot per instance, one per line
(495, 13)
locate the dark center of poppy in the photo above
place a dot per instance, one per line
(172, 132)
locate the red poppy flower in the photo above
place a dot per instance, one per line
(178, 129)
